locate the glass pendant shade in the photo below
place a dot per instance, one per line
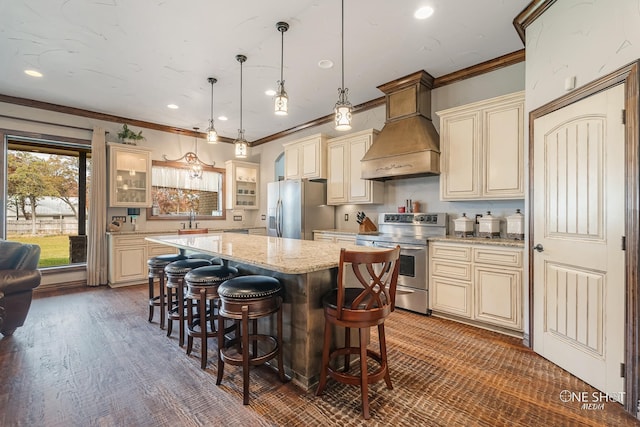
(281, 101)
(212, 134)
(241, 145)
(342, 112)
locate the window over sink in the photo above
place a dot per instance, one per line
(175, 194)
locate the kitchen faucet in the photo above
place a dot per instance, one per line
(192, 218)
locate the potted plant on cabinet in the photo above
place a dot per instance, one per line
(127, 136)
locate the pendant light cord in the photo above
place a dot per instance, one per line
(211, 102)
(281, 54)
(241, 95)
(342, 36)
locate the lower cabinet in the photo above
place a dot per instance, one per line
(478, 283)
(334, 237)
(128, 255)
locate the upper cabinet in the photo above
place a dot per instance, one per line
(482, 149)
(243, 184)
(129, 176)
(306, 158)
(344, 185)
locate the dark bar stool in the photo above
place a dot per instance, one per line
(156, 271)
(202, 286)
(245, 298)
(175, 273)
(362, 307)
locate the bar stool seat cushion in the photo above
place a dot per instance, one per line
(162, 260)
(184, 266)
(214, 259)
(210, 275)
(247, 287)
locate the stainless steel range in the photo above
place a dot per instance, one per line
(410, 231)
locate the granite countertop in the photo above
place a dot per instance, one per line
(336, 231)
(289, 256)
(175, 231)
(479, 240)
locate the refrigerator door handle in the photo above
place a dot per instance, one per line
(278, 218)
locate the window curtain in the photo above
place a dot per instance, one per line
(96, 237)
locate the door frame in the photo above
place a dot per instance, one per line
(630, 77)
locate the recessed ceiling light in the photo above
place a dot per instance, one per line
(270, 92)
(223, 118)
(325, 63)
(423, 12)
(173, 106)
(33, 73)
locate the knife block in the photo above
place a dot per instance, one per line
(367, 226)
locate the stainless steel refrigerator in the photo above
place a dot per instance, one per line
(297, 207)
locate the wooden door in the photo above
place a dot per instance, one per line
(579, 220)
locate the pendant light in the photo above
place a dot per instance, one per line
(281, 101)
(343, 106)
(212, 135)
(240, 143)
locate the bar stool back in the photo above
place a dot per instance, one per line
(175, 273)
(202, 287)
(376, 274)
(249, 298)
(156, 266)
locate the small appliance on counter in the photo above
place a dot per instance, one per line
(515, 226)
(463, 226)
(489, 226)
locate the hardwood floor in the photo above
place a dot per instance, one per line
(88, 357)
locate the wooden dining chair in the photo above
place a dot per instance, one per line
(364, 298)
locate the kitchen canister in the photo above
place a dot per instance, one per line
(489, 226)
(515, 226)
(463, 226)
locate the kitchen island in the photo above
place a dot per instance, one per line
(307, 269)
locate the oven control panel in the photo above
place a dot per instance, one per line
(414, 218)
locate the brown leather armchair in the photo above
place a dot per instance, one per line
(19, 275)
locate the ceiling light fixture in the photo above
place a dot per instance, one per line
(241, 144)
(33, 73)
(281, 101)
(192, 159)
(423, 12)
(212, 135)
(172, 106)
(343, 106)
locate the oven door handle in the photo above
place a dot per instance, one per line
(402, 247)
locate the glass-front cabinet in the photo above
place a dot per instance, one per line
(242, 185)
(129, 176)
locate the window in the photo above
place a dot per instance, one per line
(175, 195)
(46, 194)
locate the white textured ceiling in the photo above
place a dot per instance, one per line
(131, 58)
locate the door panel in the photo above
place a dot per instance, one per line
(579, 220)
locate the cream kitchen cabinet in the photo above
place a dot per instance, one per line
(482, 149)
(335, 237)
(242, 185)
(344, 185)
(306, 158)
(129, 175)
(127, 258)
(477, 283)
